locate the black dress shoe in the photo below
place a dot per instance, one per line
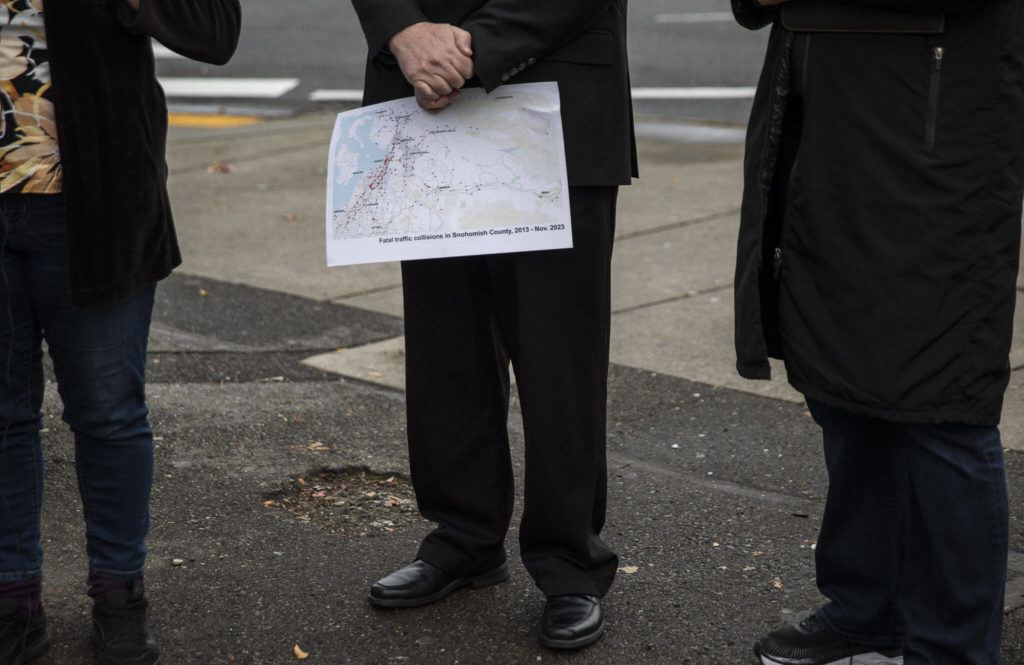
(571, 622)
(420, 583)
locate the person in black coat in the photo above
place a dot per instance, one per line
(878, 254)
(546, 312)
(85, 232)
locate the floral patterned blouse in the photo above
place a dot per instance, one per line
(29, 157)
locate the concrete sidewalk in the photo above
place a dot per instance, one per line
(672, 268)
(276, 397)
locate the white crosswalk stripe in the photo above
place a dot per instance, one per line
(742, 92)
(694, 17)
(161, 51)
(234, 88)
(271, 88)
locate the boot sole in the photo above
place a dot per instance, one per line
(871, 658)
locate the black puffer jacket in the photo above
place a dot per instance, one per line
(882, 267)
(112, 126)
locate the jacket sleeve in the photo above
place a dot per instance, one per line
(205, 30)
(752, 15)
(383, 19)
(917, 6)
(508, 33)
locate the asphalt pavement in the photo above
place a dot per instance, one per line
(281, 492)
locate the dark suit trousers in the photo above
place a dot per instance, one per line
(548, 312)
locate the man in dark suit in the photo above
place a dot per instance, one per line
(547, 312)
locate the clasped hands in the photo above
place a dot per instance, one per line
(436, 58)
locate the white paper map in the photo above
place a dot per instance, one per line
(484, 175)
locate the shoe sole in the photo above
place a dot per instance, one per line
(38, 650)
(577, 643)
(489, 578)
(871, 658)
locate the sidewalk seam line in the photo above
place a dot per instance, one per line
(665, 301)
(364, 292)
(678, 225)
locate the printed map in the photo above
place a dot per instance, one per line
(484, 175)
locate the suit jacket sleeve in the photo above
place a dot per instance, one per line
(383, 19)
(918, 6)
(513, 33)
(205, 30)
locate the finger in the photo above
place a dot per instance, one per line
(452, 78)
(464, 66)
(425, 92)
(445, 81)
(464, 41)
(436, 104)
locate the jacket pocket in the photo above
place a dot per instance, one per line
(931, 118)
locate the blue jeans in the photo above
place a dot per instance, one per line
(914, 539)
(99, 358)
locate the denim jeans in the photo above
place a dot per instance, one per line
(99, 358)
(914, 539)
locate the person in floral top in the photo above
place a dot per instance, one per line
(85, 234)
(29, 154)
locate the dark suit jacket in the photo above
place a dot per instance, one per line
(581, 44)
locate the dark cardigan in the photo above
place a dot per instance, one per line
(112, 127)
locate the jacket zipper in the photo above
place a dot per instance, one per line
(777, 250)
(934, 81)
(777, 263)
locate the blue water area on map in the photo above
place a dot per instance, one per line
(358, 143)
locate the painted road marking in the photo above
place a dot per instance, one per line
(741, 92)
(227, 87)
(336, 96)
(211, 120)
(164, 53)
(694, 17)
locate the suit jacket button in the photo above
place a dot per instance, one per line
(531, 61)
(504, 77)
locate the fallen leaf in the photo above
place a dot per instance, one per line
(777, 584)
(300, 654)
(220, 167)
(302, 481)
(269, 503)
(317, 445)
(747, 569)
(629, 570)
(288, 217)
(204, 292)
(375, 374)
(757, 553)
(177, 562)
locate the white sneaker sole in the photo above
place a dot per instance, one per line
(872, 658)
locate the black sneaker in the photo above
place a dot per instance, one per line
(809, 643)
(22, 637)
(120, 630)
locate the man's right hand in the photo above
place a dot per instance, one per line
(436, 58)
